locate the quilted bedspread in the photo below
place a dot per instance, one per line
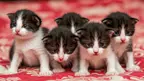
(95, 10)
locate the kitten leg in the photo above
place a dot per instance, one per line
(130, 65)
(83, 70)
(75, 65)
(44, 65)
(57, 68)
(16, 61)
(111, 70)
(119, 68)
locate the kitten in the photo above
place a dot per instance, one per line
(61, 45)
(28, 45)
(123, 27)
(95, 49)
(71, 20)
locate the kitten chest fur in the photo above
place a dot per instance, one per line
(119, 48)
(29, 48)
(96, 61)
(70, 60)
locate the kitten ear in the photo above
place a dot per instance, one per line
(109, 31)
(58, 20)
(46, 38)
(134, 20)
(107, 21)
(85, 20)
(37, 20)
(11, 15)
(80, 32)
(76, 38)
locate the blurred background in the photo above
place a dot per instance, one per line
(48, 10)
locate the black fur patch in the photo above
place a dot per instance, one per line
(31, 21)
(52, 40)
(115, 21)
(87, 35)
(67, 19)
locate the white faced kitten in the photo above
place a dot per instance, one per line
(28, 45)
(123, 27)
(62, 44)
(95, 49)
(71, 20)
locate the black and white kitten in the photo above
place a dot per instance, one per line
(123, 27)
(28, 46)
(61, 45)
(71, 20)
(95, 49)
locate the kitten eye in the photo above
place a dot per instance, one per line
(67, 24)
(76, 23)
(129, 33)
(13, 24)
(119, 25)
(71, 46)
(69, 51)
(25, 25)
(116, 32)
(101, 44)
(53, 51)
(126, 25)
(88, 45)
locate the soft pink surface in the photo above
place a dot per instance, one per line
(95, 10)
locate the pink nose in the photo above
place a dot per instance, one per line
(60, 59)
(123, 40)
(17, 31)
(96, 52)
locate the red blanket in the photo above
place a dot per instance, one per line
(95, 10)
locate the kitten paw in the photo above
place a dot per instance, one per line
(121, 71)
(133, 68)
(82, 73)
(10, 71)
(74, 69)
(45, 73)
(112, 72)
(58, 70)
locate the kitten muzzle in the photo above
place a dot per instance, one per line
(17, 32)
(95, 53)
(123, 41)
(60, 59)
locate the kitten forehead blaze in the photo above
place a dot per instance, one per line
(24, 23)
(122, 25)
(94, 37)
(60, 42)
(71, 20)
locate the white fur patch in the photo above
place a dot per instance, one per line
(61, 55)
(61, 50)
(95, 48)
(122, 34)
(100, 50)
(55, 56)
(90, 50)
(96, 61)
(19, 22)
(72, 27)
(20, 32)
(31, 50)
(118, 39)
(96, 44)
(66, 56)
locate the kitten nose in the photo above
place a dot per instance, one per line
(96, 52)
(60, 59)
(17, 31)
(123, 40)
